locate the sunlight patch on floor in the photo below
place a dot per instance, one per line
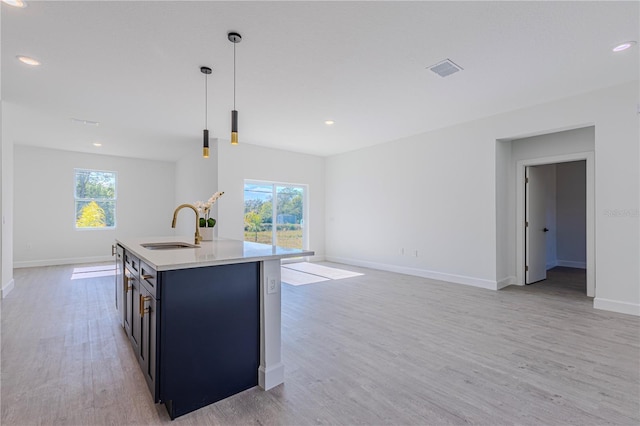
(308, 273)
(82, 273)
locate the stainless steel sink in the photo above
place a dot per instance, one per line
(169, 245)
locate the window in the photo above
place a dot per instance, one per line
(288, 229)
(95, 198)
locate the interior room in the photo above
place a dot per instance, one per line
(405, 212)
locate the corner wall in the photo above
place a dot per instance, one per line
(6, 203)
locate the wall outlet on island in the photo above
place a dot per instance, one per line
(272, 285)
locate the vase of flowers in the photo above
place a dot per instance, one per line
(207, 223)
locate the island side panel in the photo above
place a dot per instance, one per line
(271, 371)
(209, 341)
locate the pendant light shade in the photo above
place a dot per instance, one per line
(205, 143)
(234, 127)
(205, 133)
(234, 38)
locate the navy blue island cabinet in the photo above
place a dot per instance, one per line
(203, 320)
(195, 332)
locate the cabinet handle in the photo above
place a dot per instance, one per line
(127, 287)
(146, 276)
(143, 310)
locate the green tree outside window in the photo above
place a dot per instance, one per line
(95, 199)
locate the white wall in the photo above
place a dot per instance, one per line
(432, 193)
(6, 200)
(505, 218)
(617, 181)
(44, 230)
(6, 204)
(571, 214)
(245, 161)
(441, 193)
(553, 144)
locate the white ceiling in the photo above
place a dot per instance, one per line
(135, 68)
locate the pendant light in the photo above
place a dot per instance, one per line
(205, 133)
(234, 38)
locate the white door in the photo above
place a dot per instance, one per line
(535, 226)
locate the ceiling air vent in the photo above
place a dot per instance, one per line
(445, 68)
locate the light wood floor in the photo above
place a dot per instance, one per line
(381, 348)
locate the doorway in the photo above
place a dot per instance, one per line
(555, 220)
(538, 243)
(275, 213)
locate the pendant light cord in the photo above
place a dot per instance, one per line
(206, 91)
(234, 75)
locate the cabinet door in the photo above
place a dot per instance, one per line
(120, 283)
(129, 302)
(148, 351)
(136, 320)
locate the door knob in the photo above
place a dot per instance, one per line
(545, 230)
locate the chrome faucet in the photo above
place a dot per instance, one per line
(198, 238)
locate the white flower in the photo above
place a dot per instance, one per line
(204, 208)
(214, 198)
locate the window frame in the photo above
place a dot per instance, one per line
(274, 194)
(76, 199)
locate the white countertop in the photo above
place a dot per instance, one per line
(209, 253)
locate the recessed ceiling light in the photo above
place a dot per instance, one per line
(85, 122)
(27, 60)
(329, 122)
(15, 3)
(97, 144)
(624, 46)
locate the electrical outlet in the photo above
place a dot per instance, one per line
(272, 285)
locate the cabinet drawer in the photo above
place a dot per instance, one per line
(132, 262)
(149, 279)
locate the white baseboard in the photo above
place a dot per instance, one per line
(572, 264)
(552, 265)
(271, 377)
(505, 282)
(616, 306)
(67, 261)
(457, 279)
(7, 288)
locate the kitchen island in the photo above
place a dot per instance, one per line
(204, 321)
